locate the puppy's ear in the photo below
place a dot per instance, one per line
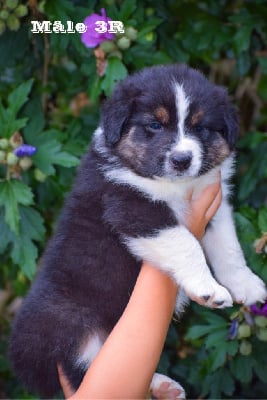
(115, 113)
(232, 125)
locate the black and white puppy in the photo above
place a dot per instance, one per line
(164, 131)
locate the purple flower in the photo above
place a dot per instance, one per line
(25, 150)
(92, 38)
(233, 330)
(259, 310)
(248, 318)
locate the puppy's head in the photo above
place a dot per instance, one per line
(169, 121)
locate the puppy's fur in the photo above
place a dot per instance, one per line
(164, 131)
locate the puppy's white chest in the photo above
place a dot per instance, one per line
(173, 192)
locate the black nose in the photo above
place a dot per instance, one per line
(181, 160)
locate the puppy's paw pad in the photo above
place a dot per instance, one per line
(214, 296)
(218, 303)
(221, 298)
(247, 288)
(162, 387)
(167, 391)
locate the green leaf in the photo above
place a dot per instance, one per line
(126, 9)
(24, 253)
(23, 250)
(242, 39)
(95, 89)
(197, 331)
(33, 110)
(214, 319)
(59, 10)
(225, 382)
(49, 153)
(114, 73)
(220, 349)
(13, 193)
(148, 27)
(219, 357)
(242, 368)
(215, 338)
(246, 231)
(8, 122)
(263, 63)
(243, 63)
(5, 233)
(66, 159)
(31, 223)
(261, 371)
(19, 96)
(215, 323)
(232, 347)
(217, 383)
(262, 219)
(14, 125)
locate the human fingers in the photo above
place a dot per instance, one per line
(214, 206)
(206, 198)
(65, 385)
(189, 195)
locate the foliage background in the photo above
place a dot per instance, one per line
(51, 90)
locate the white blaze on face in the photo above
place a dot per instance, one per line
(182, 106)
(184, 142)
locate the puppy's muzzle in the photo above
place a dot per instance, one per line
(181, 160)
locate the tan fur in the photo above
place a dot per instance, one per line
(196, 118)
(162, 114)
(129, 151)
(219, 151)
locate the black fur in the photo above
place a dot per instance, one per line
(87, 274)
(86, 278)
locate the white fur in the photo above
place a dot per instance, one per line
(172, 191)
(159, 379)
(100, 145)
(185, 143)
(177, 252)
(182, 106)
(220, 242)
(180, 255)
(227, 260)
(89, 351)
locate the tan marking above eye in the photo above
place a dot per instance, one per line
(196, 118)
(162, 114)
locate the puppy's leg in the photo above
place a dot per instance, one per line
(163, 387)
(227, 260)
(176, 252)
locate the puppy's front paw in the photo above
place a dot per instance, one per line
(210, 294)
(245, 287)
(163, 387)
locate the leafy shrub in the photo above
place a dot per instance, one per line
(51, 89)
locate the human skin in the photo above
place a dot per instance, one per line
(124, 367)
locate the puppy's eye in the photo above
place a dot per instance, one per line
(199, 128)
(155, 126)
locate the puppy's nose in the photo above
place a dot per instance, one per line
(181, 160)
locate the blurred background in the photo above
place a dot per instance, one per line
(51, 89)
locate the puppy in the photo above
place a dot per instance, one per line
(164, 131)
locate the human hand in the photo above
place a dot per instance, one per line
(203, 208)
